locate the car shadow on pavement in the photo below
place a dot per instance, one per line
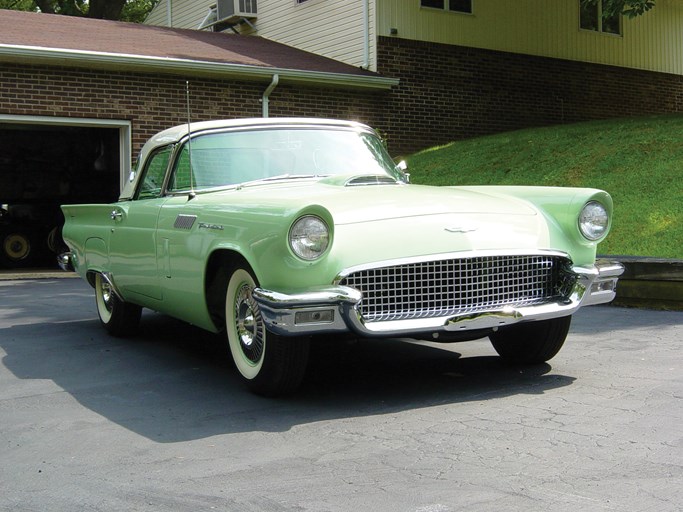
(173, 382)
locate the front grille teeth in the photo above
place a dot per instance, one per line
(460, 286)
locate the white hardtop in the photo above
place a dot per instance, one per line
(177, 133)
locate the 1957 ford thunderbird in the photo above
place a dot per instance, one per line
(278, 231)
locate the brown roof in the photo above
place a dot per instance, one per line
(51, 31)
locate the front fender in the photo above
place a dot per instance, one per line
(561, 207)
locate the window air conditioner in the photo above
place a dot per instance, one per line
(227, 9)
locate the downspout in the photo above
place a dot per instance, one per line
(366, 34)
(266, 94)
(169, 13)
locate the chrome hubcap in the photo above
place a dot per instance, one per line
(106, 295)
(249, 324)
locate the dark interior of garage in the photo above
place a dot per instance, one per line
(41, 168)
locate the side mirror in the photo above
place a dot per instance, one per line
(402, 167)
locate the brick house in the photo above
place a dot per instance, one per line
(472, 67)
(78, 98)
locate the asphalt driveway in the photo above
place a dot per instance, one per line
(161, 422)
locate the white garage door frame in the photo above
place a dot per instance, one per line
(124, 128)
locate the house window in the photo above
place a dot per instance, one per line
(449, 5)
(590, 18)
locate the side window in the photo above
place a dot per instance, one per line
(464, 6)
(154, 172)
(181, 179)
(591, 18)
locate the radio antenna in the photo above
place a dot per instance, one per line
(189, 138)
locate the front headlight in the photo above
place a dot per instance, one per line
(309, 237)
(593, 221)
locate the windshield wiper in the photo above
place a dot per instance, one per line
(293, 176)
(280, 177)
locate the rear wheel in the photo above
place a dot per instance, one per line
(119, 318)
(269, 364)
(532, 342)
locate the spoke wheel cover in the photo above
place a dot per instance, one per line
(247, 334)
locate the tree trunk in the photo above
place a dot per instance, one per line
(106, 9)
(45, 6)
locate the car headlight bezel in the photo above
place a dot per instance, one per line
(593, 221)
(309, 237)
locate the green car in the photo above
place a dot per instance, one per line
(282, 231)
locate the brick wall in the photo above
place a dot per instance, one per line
(155, 102)
(446, 93)
(451, 92)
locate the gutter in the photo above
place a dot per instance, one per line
(366, 34)
(103, 60)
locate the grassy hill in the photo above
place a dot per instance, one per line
(638, 161)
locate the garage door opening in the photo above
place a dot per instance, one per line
(41, 168)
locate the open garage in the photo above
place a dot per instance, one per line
(44, 165)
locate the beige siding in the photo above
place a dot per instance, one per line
(184, 13)
(548, 28)
(333, 28)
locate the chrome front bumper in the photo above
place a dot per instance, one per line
(334, 309)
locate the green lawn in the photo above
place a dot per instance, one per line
(638, 161)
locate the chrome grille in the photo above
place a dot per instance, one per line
(456, 286)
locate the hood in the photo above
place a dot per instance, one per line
(351, 204)
(358, 204)
(384, 222)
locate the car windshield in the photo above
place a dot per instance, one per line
(229, 158)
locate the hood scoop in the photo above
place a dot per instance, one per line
(371, 179)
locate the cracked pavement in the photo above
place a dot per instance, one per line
(161, 422)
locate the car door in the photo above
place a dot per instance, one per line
(133, 240)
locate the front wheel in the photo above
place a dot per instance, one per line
(119, 318)
(532, 342)
(269, 364)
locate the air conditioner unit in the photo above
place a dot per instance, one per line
(227, 10)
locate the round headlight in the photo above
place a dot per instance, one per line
(309, 237)
(593, 221)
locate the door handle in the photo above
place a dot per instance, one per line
(116, 215)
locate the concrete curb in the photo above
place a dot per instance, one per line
(35, 273)
(652, 283)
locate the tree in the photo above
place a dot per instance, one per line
(629, 8)
(124, 10)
